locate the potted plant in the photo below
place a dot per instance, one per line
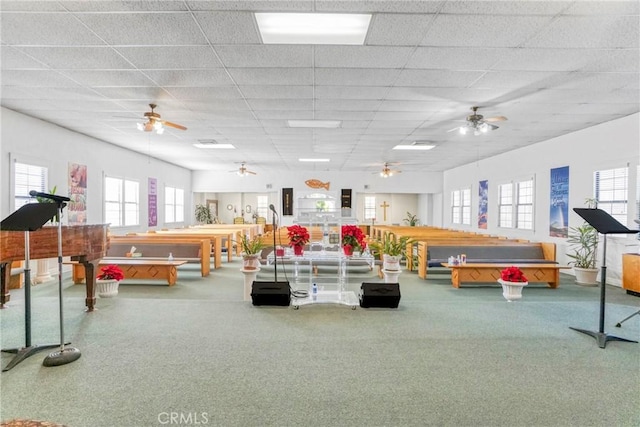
(583, 243)
(298, 237)
(392, 250)
(512, 280)
(203, 214)
(108, 280)
(353, 239)
(251, 249)
(411, 220)
(40, 199)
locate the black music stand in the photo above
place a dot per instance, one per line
(29, 217)
(604, 224)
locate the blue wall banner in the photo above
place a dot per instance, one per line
(483, 201)
(559, 209)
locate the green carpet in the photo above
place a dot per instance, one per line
(197, 354)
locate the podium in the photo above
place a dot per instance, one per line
(29, 217)
(604, 224)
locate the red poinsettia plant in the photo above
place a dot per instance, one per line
(110, 272)
(353, 236)
(298, 235)
(512, 274)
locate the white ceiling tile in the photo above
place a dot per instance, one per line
(141, 29)
(435, 78)
(78, 58)
(199, 78)
(272, 76)
(503, 9)
(170, 57)
(13, 58)
(346, 92)
(482, 30)
(45, 29)
(35, 78)
(112, 78)
(204, 93)
(229, 27)
(589, 32)
(260, 56)
(277, 92)
(463, 58)
(123, 6)
(361, 56)
(398, 29)
(355, 77)
(281, 104)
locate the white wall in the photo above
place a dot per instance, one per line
(38, 142)
(609, 145)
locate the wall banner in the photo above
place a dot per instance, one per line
(77, 209)
(483, 202)
(559, 203)
(153, 202)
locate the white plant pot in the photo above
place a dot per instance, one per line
(107, 288)
(251, 262)
(391, 262)
(586, 276)
(512, 291)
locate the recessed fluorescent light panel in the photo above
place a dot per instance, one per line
(414, 146)
(314, 123)
(313, 28)
(212, 143)
(313, 160)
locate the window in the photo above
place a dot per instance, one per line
(515, 205)
(173, 205)
(461, 206)
(369, 207)
(262, 209)
(121, 202)
(611, 192)
(28, 178)
(505, 205)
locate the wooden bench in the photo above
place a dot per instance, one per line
(505, 252)
(192, 250)
(138, 268)
(489, 272)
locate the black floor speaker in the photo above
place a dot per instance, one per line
(270, 293)
(380, 295)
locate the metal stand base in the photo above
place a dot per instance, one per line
(62, 357)
(601, 337)
(24, 352)
(619, 324)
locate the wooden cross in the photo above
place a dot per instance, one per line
(384, 207)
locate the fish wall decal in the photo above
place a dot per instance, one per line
(316, 183)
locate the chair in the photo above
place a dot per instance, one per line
(261, 220)
(238, 220)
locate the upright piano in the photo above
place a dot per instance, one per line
(86, 244)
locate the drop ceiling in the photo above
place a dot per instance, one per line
(550, 67)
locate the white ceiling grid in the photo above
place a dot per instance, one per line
(550, 67)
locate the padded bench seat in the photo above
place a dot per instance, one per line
(487, 272)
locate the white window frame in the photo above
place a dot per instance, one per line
(516, 204)
(173, 205)
(262, 207)
(28, 177)
(611, 192)
(369, 208)
(461, 206)
(126, 201)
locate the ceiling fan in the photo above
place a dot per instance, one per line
(478, 124)
(154, 122)
(386, 171)
(243, 171)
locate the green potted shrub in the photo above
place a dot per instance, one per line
(251, 249)
(203, 214)
(392, 249)
(411, 220)
(583, 246)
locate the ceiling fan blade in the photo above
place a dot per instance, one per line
(173, 125)
(496, 119)
(454, 129)
(251, 172)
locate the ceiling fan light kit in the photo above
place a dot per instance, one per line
(478, 125)
(154, 123)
